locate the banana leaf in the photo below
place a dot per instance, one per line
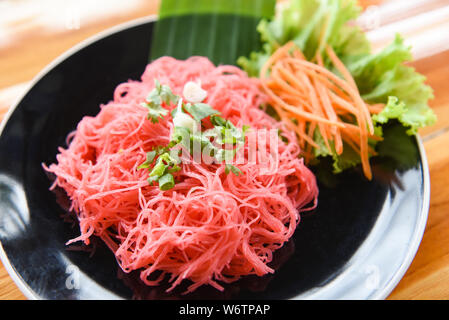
(222, 30)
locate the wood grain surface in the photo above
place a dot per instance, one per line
(428, 275)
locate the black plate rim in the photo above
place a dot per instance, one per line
(421, 226)
(381, 294)
(21, 284)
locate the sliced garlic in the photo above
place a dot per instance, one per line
(193, 92)
(182, 119)
(185, 121)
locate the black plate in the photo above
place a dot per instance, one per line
(357, 244)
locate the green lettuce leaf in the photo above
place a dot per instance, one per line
(303, 21)
(383, 78)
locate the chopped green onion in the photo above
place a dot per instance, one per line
(230, 168)
(166, 182)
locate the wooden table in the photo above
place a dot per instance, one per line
(428, 275)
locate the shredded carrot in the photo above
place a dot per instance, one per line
(320, 101)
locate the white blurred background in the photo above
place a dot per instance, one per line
(19, 17)
(34, 32)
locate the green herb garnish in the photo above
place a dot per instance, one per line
(165, 164)
(220, 142)
(200, 111)
(159, 95)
